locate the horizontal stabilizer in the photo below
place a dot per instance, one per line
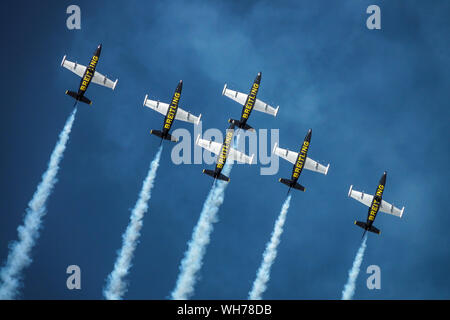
(79, 98)
(240, 125)
(361, 224)
(365, 227)
(213, 174)
(72, 94)
(166, 136)
(85, 100)
(291, 184)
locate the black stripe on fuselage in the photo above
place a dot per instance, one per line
(89, 73)
(376, 201)
(301, 158)
(172, 110)
(225, 150)
(250, 101)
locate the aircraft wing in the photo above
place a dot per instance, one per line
(315, 166)
(286, 154)
(187, 117)
(76, 68)
(237, 96)
(240, 98)
(264, 107)
(386, 207)
(209, 145)
(239, 156)
(103, 80)
(161, 107)
(362, 197)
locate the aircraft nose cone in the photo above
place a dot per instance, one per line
(259, 74)
(99, 46)
(181, 81)
(308, 135)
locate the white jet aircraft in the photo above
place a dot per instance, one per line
(87, 75)
(300, 161)
(249, 102)
(375, 204)
(224, 152)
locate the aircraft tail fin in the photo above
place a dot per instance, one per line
(220, 176)
(291, 184)
(78, 98)
(366, 227)
(162, 136)
(240, 125)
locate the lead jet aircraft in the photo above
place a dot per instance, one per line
(87, 75)
(224, 152)
(249, 102)
(375, 204)
(300, 161)
(170, 112)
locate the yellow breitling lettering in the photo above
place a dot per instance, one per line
(373, 210)
(301, 159)
(226, 146)
(250, 101)
(86, 79)
(380, 190)
(172, 110)
(93, 62)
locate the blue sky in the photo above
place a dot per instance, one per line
(376, 100)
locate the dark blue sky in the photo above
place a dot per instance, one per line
(376, 100)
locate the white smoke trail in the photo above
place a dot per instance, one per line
(193, 257)
(19, 254)
(116, 286)
(349, 289)
(270, 253)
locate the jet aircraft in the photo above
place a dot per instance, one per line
(375, 204)
(300, 161)
(249, 102)
(87, 75)
(224, 152)
(170, 112)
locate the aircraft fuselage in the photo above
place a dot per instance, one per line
(301, 158)
(224, 151)
(172, 110)
(89, 73)
(376, 202)
(250, 101)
